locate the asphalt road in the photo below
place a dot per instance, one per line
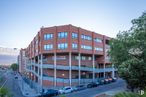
(100, 89)
(12, 85)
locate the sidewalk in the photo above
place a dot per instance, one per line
(25, 88)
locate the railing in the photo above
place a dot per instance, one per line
(97, 70)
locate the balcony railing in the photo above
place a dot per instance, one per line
(61, 67)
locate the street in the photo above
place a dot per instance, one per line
(12, 85)
(100, 89)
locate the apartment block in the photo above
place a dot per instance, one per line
(67, 55)
(22, 61)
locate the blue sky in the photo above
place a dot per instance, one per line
(20, 20)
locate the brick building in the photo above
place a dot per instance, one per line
(68, 55)
(22, 61)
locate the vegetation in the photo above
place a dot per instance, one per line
(14, 67)
(126, 94)
(4, 92)
(128, 53)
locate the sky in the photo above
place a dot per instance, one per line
(20, 20)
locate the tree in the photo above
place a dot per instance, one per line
(14, 67)
(128, 53)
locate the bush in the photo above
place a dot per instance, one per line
(4, 92)
(126, 94)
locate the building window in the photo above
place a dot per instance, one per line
(48, 36)
(48, 47)
(86, 47)
(89, 58)
(98, 40)
(74, 45)
(62, 46)
(83, 58)
(62, 34)
(76, 57)
(86, 37)
(98, 49)
(74, 35)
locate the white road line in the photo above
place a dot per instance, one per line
(3, 84)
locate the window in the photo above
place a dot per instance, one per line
(48, 36)
(89, 58)
(76, 57)
(86, 37)
(98, 49)
(74, 35)
(62, 46)
(74, 45)
(62, 34)
(86, 47)
(98, 40)
(48, 47)
(83, 58)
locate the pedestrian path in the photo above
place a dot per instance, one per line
(26, 90)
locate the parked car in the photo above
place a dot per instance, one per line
(106, 81)
(16, 77)
(101, 81)
(80, 87)
(49, 93)
(110, 79)
(91, 85)
(114, 79)
(98, 83)
(65, 90)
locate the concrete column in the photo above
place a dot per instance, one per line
(31, 69)
(93, 63)
(70, 69)
(79, 62)
(113, 71)
(38, 65)
(55, 69)
(41, 77)
(104, 70)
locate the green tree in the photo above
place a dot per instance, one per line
(128, 53)
(14, 67)
(4, 92)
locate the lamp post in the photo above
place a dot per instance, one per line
(63, 78)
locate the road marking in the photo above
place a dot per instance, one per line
(3, 84)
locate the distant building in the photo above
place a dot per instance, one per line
(22, 61)
(8, 55)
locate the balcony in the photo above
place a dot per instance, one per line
(61, 67)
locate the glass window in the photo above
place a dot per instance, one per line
(62, 46)
(74, 45)
(89, 58)
(48, 47)
(86, 37)
(62, 34)
(48, 36)
(83, 58)
(86, 47)
(98, 40)
(74, 35)
(98, 49)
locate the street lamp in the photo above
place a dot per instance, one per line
(63, 78)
